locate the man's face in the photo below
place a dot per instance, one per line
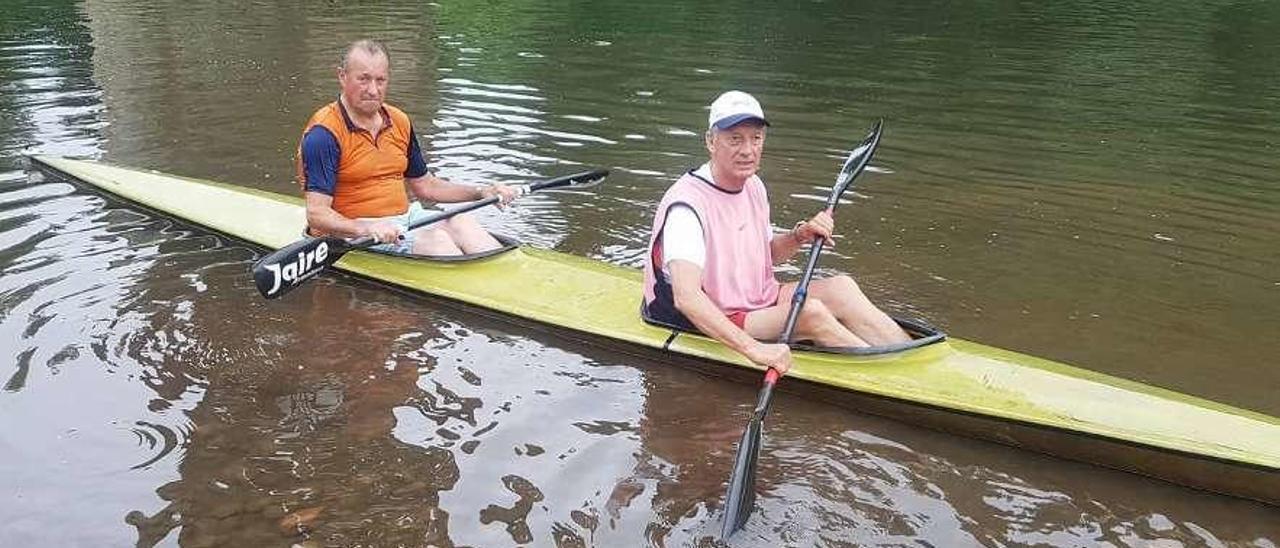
(736, 151)
(364, 81)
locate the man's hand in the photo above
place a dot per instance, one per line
(504, 193)
(821, 225)
(773, 355)
(382, 232)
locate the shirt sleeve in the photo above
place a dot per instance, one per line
(682, 237)
(320, 160)
(417, 163)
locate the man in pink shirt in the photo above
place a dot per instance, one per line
(712, 251)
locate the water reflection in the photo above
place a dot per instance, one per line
(349, 415)
(283, 446)
(47, 101)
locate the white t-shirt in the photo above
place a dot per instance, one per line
(682, 234)
(682, 238)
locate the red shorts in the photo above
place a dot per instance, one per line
(738, 318)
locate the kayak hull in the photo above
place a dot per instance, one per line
(951, 385)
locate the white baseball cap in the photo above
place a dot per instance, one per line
(732, 108)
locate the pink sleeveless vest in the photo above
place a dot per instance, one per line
(738, 274)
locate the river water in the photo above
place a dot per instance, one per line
(1092, 182)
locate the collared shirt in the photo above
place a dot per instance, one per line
(365, 174)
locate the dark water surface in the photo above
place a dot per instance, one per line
(1092, 182)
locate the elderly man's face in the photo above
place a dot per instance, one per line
(736, 151)
(364, 81)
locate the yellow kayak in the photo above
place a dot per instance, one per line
(939, 382)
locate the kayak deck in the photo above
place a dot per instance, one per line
(954, 385)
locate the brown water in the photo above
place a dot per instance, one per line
(1092, 182)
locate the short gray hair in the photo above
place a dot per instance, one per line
(371, 47)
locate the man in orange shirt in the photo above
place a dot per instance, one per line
(358, 154)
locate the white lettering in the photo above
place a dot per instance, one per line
(275, 271)
(303, 266)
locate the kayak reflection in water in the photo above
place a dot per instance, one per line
(293, 439)
(357, 155)
(712, 251)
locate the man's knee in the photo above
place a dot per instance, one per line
(433, 241)
(845, 296)
(819, 322)
(845, 285)
(462, 223)
(816, 314)
(432, 236)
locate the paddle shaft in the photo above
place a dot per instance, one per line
(569, 180)
(844, 180)
(793, 316)
(367, 241)
(522, 190)
(741, 493)
(802, 289)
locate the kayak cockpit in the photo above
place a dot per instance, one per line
(507, 244)
(922, 334)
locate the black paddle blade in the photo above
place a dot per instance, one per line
(577, 180)
(857, 160)
(280, 272)
(741, 497)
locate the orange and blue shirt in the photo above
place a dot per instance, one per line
(364, 175)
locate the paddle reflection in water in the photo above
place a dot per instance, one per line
(831, 478)
(816, 486)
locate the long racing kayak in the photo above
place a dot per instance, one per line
(938, 382)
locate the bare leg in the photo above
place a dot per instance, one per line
(816, 322)
(855, 311)
(468, 235)
(434, 241)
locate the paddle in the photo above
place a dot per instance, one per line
(287, 268)
(741, 495)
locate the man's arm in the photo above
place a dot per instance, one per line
(323, 218)
(690, 300)
(434, 189)
(785, 245)
(425, 186)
